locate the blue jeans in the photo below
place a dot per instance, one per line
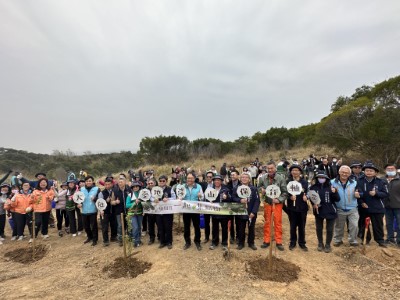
(119, 228)
(136, 228)
(390, 215)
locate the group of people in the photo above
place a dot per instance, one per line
(348, 195)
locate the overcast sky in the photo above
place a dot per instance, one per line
(100, 75)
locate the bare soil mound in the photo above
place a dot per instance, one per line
(25, 255)
(129, 267)
(282, 271)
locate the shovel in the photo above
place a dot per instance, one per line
(364, 249)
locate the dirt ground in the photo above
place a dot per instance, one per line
(72, 270)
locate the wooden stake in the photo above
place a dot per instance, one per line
(272, 236)
(123, 234)
(229, 240)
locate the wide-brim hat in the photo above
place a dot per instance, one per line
(40, 173)
(295, 167)
(218, 177)
(321, 174)
(370, 165)
(5, 185)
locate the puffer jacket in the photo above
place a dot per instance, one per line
(21, 202)
(41, 200)
(61, 199)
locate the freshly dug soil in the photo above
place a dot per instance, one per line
(282, 271)
(24, 255)
(130, 268)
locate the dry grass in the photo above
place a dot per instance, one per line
(200, 164)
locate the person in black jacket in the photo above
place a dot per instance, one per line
(297, 208)
(223, 196)
(108, 219)
(326, 210)
(118, 201)
(253, 204)
(370, 193)
(328, 168)
(232, 186)
(223, 171)
(204, 185)
(165, 221)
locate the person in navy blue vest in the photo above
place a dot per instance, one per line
(371, 192)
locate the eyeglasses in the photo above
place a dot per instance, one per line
(357, 167)
(162, 180)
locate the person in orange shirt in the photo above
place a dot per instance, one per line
(41, 199)
(273, 178)
(22, 210)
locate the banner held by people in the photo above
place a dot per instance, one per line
(196, 207)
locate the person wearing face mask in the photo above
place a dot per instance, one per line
(326, 210)
(272, 178)
(370, 193)
(335, 165)
(392, 204)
